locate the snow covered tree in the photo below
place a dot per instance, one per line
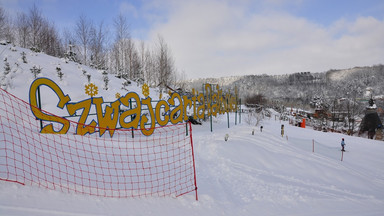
(89, 78)
(125, 84)
(256, 99)
(35, 71)
(4, 82)
(105, 79)
(59, 72)
(7, 67)
(24, 57)
(70, 55)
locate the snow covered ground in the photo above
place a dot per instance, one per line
(260, 174)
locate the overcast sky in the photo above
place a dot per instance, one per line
(215, 38)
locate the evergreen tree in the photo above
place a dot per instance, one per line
(59, 72)
(24, 57)
(70, 55)
(106, 81)
(7, 70)
(7, 67)
(35, 71)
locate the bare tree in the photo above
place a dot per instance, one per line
(120, 46)
(97, 46)
(180, 80)
(2, 22)
(141, 60)
(83, 35)
(126, 58)
(35, 22)
(149, 68)
(5, 26)
(165, 68)
(131, 58)
(22, 29)
(49, 40)
(68, 38)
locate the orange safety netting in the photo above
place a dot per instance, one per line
(120, 166)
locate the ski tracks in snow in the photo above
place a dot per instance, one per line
(248, 168)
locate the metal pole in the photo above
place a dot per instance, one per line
(205, 103)
(186, 128)
(130, 104)
(313, 145)
(227, 113)
(240, 113)
(236, 106)
(236, 115)
(39, 104)
(210, 109)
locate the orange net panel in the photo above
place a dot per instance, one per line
(144, 166)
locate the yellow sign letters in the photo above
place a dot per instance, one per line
(129, 111)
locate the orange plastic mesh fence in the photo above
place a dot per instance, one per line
(144, 166)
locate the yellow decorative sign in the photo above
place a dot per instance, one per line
(91, 90)
(145, 90)
(110, 117)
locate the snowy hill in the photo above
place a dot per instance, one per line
(300, 88)
(75, 76)
(261, 174)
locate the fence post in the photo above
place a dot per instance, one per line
(240, 113)
(313, 145)
(227, 113)
(210, 108)
(186, 128)
(236, 113)
(193, 158)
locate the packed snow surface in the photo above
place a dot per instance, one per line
(260, 174)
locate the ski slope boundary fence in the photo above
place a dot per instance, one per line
(120, 167)
(311, 145)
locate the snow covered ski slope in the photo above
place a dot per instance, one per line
(260, 174)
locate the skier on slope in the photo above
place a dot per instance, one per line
(342, 144)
